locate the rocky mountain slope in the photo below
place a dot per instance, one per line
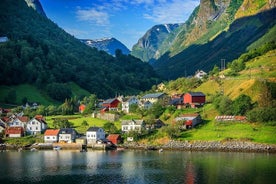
(109, 45)
(149, 45)
(215, 30)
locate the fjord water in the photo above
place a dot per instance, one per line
(136, 167)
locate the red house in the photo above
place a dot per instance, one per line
(195, 99)
(114, 138)
(14, 132)
(111, 104)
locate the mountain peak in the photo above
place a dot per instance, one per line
(109, 45)
(35, 4)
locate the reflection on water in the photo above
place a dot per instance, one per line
(136, 167)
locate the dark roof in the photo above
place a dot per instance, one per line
(93, 129)
(196, 93)
(66, 131)
(153, 95)
(108, 101)
(176, 101)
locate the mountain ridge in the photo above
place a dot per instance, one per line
(109, 45)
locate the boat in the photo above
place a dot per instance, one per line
(33, 149)
(57, 148)
(160, 150)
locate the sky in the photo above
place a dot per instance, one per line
(125, 20)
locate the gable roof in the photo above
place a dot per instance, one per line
(51, 132)
(153, 95)
(135, 122)
(196, 93)
(14, 130)
(23, 118)
(108, 101)
(113, 136)
(67, 131)
(93, 129)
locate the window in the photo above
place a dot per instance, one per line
(47, 137)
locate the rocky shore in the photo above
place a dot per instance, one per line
(224, 146)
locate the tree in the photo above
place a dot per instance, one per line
(241, 105)
(110, 128)
(90, 103)
(156, 110)
(11, 96)
(223, 104)
(84, 123)
(58, 91)
(62, 123)
(67, 107)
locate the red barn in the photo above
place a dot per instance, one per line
(114, 138)
(111, 104)
(195, 99)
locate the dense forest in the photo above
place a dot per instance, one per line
(39, 52)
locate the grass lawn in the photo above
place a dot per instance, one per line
(212, 131)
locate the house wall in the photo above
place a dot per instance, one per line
(15, 135)
(50, 139)
(92, 137)
(127, 128)
(66, 138)
(193, 99)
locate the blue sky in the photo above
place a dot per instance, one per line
(125, 20)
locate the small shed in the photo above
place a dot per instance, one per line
(115, 138)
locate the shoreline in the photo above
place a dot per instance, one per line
(215, 146)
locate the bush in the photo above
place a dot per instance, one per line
(262, 114)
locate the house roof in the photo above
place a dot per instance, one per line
(153, 95)
(135, 122)
(176, 101)
(113, 136)
(51, 132)
(66, 131)
(108, 101)
(23, 118)
(93, 129)
(14, 130)
(196, 93)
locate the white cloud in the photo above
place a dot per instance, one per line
(92, 15)
(175, 11)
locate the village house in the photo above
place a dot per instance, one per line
(14, 132)
(51, 135)
(18, 121)
(2, 128)
(154, 97)
(115, 138)
(145, 104)
(36, 125)
(194, 99)
(132, 125)
(67, 135)
(111, 104)
(189, 120)
(94, 134)
(128, 102)
(177, 101)
(200, 74)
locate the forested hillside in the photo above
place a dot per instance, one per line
(39, 52)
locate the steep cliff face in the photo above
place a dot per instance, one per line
(35, 4)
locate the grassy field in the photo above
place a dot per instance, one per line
(33, 94)
(26, 90)
(211, 131)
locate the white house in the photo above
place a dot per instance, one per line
(93, 134)
(37, 125)
(200, 74)
(51, 135)
(130, 101)
(18, 121)
(67, 135)
(133, 125)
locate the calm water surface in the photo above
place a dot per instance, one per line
(136, 167)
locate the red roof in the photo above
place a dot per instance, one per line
(51, 132)
(189, 122)
(14, 130)
(39, 117)
(23, 118)
(113, 136)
